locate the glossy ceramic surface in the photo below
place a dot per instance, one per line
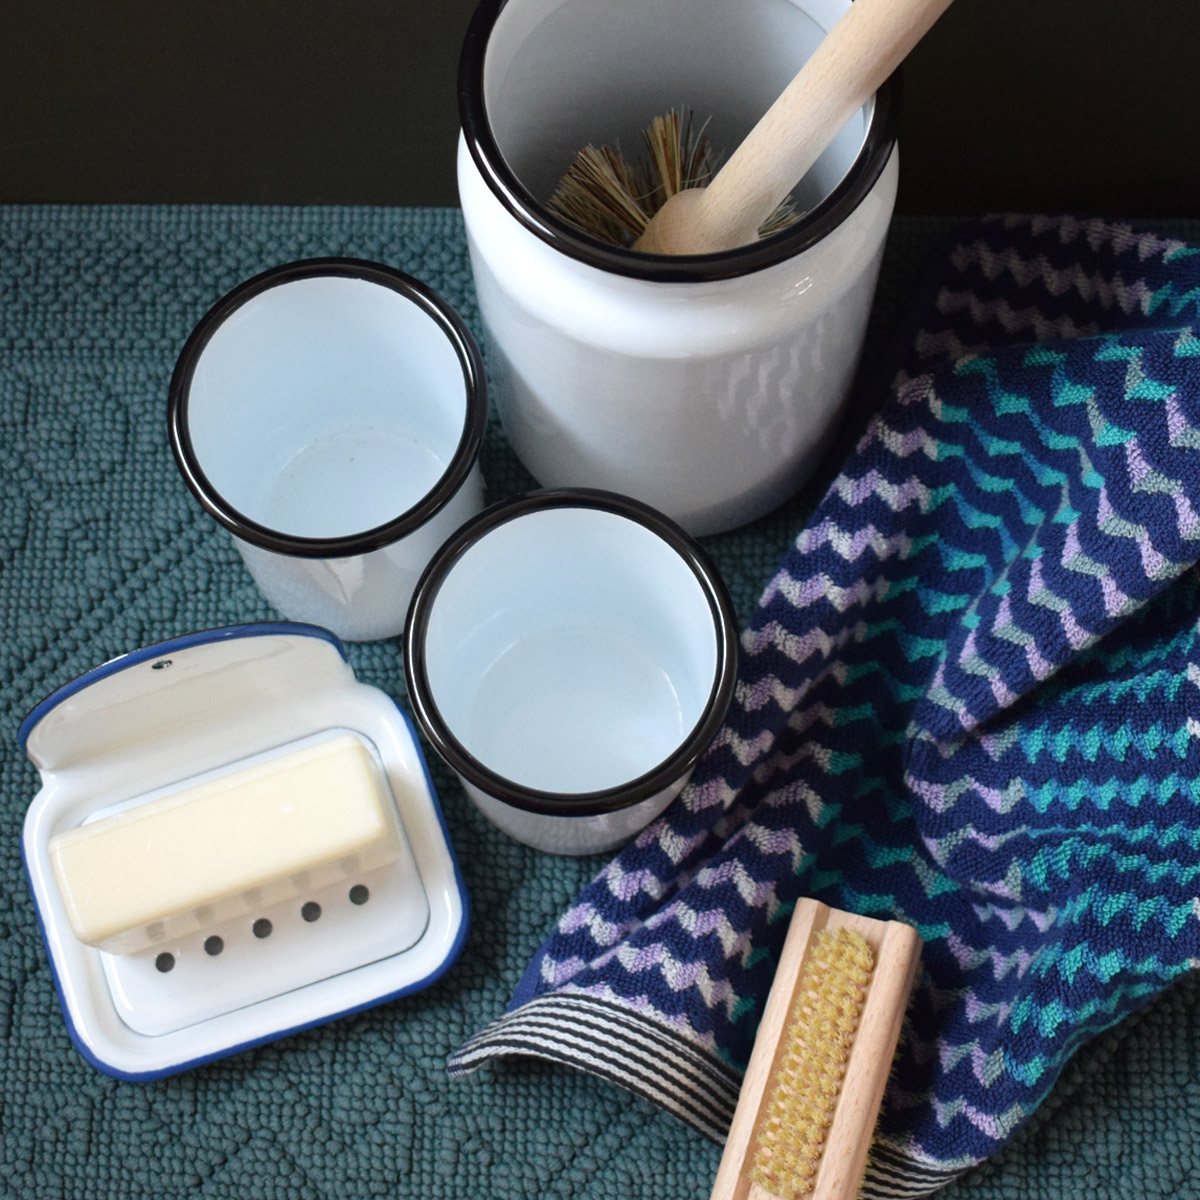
(570, 654)
(160, 718)
(706, 386)
(329, 414)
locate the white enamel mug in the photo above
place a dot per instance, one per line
(707, 386)
(570, 653)
(329, 413)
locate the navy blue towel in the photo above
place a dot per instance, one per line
(968, 700)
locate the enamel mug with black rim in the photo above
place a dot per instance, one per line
(570, 654)
(329, 413)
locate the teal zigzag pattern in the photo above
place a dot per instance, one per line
(968, 700)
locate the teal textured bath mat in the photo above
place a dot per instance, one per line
(103, 550)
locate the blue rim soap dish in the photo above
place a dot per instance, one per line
(201, 729)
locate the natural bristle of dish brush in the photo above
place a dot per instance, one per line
(607, 196)
(820, 1033)
(810, 1100)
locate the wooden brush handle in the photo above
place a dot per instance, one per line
(897, 950)
(865, 46)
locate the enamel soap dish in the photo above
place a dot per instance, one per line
(180, 717)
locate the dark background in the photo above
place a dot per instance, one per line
(1087, 106)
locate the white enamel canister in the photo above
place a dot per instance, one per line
(706, 386)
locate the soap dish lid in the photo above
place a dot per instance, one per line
(214, 674)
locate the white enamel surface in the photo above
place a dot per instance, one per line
(560, 74)
(570, 650)
(597, 834)
(219, 702)
(326, 406)
(201, 987)
(364, 597)
(148, 712)
(710, 401)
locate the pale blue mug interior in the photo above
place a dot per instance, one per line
(326, 406)
(570, 650)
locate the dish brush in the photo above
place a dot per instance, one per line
(808, 1106)
(613, 198)
(674, 209)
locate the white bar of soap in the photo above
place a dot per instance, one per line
(228, 846)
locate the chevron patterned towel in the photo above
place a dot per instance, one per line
(968, 699)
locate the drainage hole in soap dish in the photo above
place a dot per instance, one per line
(262, 928)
